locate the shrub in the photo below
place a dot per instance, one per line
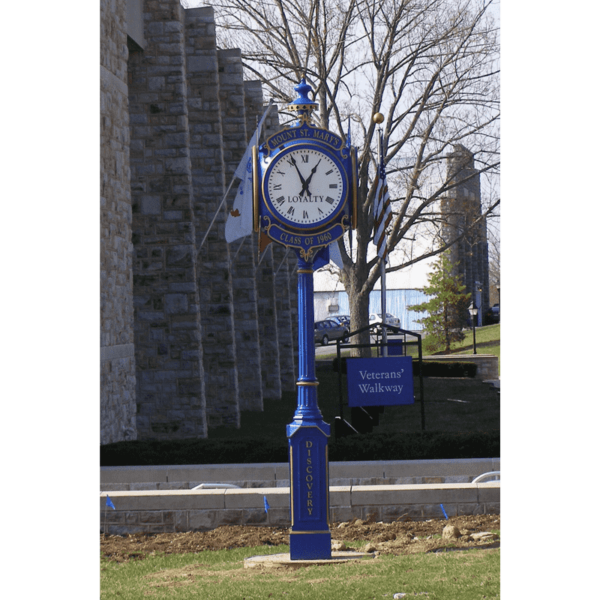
(374, 446)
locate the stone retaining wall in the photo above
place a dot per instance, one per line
(187, 510)
(487, 364)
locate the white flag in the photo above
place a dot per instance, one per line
(239, 220)
(334, 254)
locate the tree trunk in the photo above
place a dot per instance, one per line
(358, 298)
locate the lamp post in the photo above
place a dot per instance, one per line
(499, 304)
(473, 311)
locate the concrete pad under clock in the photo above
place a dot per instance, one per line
(278, 561)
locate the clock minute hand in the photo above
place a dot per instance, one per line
(307, 182)
(293, 161)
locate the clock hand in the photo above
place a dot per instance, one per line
(293, 160)
(307, 182)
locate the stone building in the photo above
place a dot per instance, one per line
(194, 330)
(460, 209)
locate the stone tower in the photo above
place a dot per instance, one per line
(194, 330)
(460, 208)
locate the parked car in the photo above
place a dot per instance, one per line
(375, 318)
(342, 320)
(492, 315)
(329, 330)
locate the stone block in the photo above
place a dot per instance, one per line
(340, 514)
(254, 498)
(488, 492)
(180, 520)
(203, 64)
(398, 511)
(369, 513)
(177, 165)
(175, 485)
(356, 469)
(155, 516)
(279, 517)
(150, 205)
(231, 517)
(340, 495)
(176, 303)
(130, 529)
(202, 520)
(491, 508)
(434, 510)
(143, 486)
(114, 487)
(254, 517)
(464, 509)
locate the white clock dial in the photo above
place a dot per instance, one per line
(305, 186)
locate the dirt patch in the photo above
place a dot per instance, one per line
(400, 537)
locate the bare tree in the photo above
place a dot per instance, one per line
(429, 66)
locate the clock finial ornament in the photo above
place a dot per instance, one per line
(303, 105)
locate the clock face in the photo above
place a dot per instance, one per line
(305, 187)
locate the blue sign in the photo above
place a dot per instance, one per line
(380, 381)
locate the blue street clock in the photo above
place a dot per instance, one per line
(304, 183)
(304, 194)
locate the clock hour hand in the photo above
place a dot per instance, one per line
(306, 183)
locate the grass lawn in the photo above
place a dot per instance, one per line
(464, 575)
(487, 339)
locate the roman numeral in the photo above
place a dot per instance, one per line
(333, 186)
(290, 210)
(329, 172)
(304, 158)
(330, 200)
(304, 214)
(277, 186)
(320, 211)
(280, 199)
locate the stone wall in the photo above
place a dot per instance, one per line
(208, 173)
(168, 329)
(189, 323)
(117, 380)
(487, 364)
(203, 510)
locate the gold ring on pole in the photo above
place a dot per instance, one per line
(315, 383)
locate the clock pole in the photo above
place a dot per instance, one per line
(310, 537)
